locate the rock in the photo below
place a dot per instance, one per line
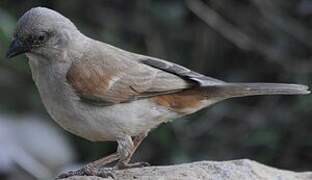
(211, 170)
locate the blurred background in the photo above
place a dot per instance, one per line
(233, 40)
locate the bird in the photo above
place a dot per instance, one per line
(103, 93)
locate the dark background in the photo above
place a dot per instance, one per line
(233, 40)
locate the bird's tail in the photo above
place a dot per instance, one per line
(229, 90)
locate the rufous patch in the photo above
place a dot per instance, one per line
(89, 80)
(183, 102)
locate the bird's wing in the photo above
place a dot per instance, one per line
(106, 83)
(181, 71)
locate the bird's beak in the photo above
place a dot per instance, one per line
(17, 47)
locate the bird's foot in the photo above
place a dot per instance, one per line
(88, 171)
(122, 165)
(106, 172)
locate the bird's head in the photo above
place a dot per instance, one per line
(42, 32)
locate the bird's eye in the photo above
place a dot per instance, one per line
(41, 37)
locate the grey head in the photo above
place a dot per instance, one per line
(42, 32)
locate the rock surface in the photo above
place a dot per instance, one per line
(207, 170)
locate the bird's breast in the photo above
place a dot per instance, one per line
(59, 99)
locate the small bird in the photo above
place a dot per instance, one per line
(103, 93)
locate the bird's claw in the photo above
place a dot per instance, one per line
(106, 172)
(132, 165)
(88, 171)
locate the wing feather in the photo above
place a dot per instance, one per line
(181, 71)
(116, 76)
(94, 82)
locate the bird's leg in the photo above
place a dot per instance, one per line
(127, 148)
(104, 161)
(92, 169)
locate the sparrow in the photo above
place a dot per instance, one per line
(103, 93)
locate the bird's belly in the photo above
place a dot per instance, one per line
(131, 118)
(69, 117)
(108, 123)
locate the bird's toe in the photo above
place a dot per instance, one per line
(85, 171)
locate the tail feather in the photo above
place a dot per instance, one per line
(229, 90)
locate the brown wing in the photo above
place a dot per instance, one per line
(109, 75)
(101, 83)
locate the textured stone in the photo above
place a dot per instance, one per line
(207, 170)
